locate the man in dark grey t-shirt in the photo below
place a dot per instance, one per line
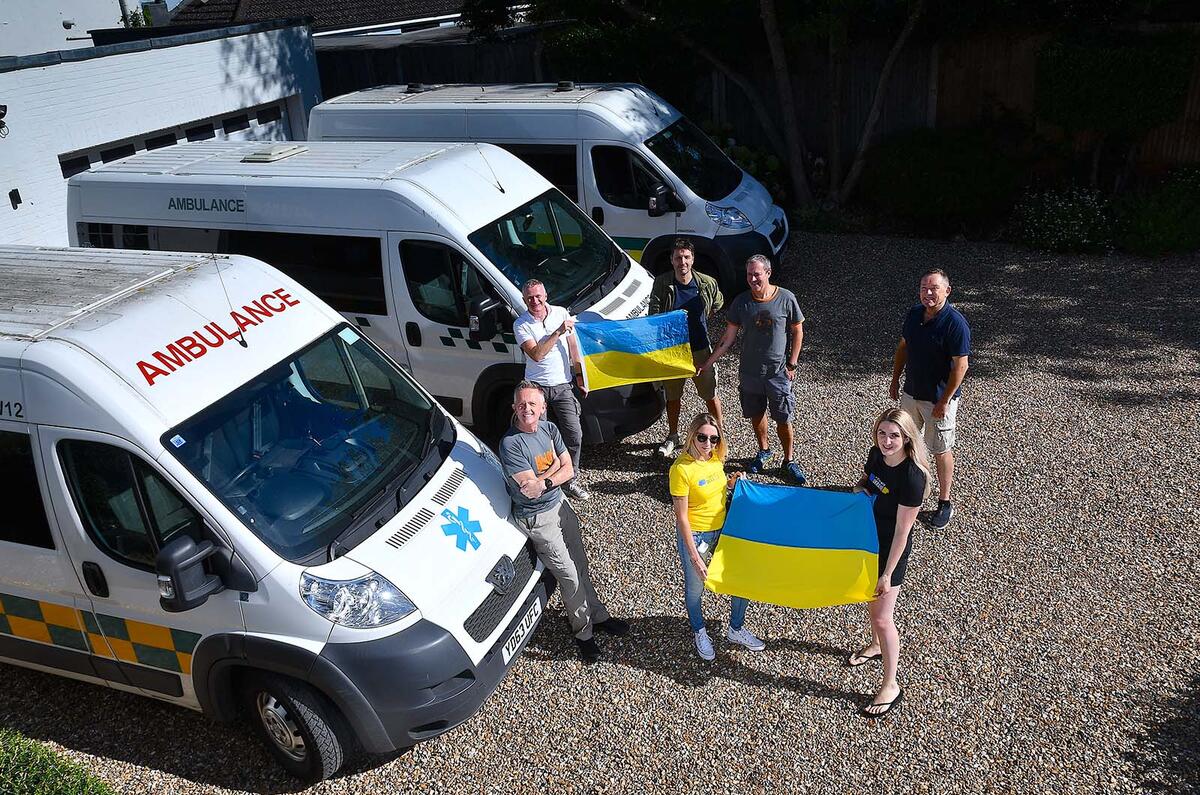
(773, 327)
(536, 464)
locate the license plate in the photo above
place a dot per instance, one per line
(514, 640)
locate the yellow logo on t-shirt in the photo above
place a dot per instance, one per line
(543, 461)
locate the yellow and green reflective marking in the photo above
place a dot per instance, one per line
(113, 637)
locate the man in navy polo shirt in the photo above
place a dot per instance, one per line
(932, 354)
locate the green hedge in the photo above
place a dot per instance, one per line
(30, 768)
(1124, 86)
(1064, 219)
(1163, 219)
(941, 181)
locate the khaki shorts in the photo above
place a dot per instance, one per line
(939, 434)
(706, 382)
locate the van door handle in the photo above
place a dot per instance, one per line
(94, 577)
(413, 332)
(598, 215)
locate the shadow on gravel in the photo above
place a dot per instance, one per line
(113, 725)
(662, 645)
(1092, 319)
(1168, 759)
(618, 470)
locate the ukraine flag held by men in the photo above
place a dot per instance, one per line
(796, 547)
(619, 352)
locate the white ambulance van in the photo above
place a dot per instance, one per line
(422, 247)
(643, 171)
(222, 495)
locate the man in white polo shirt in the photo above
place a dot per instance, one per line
(544, 332)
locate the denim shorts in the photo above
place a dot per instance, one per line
(767, 392)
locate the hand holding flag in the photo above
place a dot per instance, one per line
(619, 352)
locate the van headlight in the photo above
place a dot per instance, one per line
(728, 217)
(369, 601)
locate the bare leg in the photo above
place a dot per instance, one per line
(872, 648)
(884, 626)
(945, 472)
(673, 407)
(760, 430)
(785, 438)
(714, 408)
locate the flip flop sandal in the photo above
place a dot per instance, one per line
(863, 659)
(888, 706)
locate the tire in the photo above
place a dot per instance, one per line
(299, 726)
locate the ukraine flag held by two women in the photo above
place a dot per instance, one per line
(796, 547)
(618, 352)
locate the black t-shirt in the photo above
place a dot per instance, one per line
(903, 484)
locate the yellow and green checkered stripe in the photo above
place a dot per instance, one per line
(102, 635)
(544, 241)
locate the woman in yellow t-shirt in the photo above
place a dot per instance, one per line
(698, 487)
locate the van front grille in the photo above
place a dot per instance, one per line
(496, 605)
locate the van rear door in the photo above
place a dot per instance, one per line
(42, 603)
(433, 286)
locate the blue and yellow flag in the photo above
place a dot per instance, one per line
(618, 352)
(796, 547)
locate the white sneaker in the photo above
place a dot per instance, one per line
(744, 637)
(704, 646)
(576, 492)
(669, 446)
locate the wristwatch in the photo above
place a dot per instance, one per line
(548, 484)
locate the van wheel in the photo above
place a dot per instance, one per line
(296, 723)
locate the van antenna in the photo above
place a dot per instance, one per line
(495, 179)
(224, 289)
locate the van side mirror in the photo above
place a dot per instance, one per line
(662, 200)
(183, 583)
(483, 320)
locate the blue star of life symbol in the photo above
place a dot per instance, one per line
(463, 527)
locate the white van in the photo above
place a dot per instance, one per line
(422, 247)
(221, 495)
(643, 171)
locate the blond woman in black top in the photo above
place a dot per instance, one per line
(897, 474)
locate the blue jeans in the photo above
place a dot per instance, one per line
(693, 587)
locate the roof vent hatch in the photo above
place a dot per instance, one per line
(273, 154)
(565, 85)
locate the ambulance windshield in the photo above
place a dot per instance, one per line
(551, 240)
(302, 449)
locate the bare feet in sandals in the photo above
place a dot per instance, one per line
(887, 699)
(864, 656)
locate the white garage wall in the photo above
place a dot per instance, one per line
(71, 107)
(29, 26)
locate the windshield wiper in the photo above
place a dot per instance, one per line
(582, 294)
(394, 486)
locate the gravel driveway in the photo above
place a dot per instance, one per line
(1051, 642)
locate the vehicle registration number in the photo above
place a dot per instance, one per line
(514, 640)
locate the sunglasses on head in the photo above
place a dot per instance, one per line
(702, 438)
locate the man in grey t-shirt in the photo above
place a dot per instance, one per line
(773, 328)
(536, 464)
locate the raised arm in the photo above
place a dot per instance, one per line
(539, 350)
